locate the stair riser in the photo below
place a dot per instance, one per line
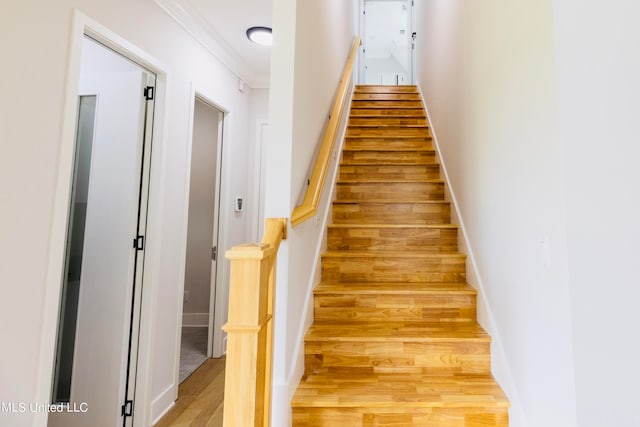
(388, 121)
(381, 269)
(388, 132)
(388, 144)
(377, 172)
(388, 213)
(386, 104)
(387, 112)
(406, 96)
(363, 358)
(390, 158)
(391, 191)
(393, 239)
(386, 89)
(400, 416)
(402, 308)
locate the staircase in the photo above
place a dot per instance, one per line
(395, 340)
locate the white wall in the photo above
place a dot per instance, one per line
(35, 44)
(311, 44)
(259, 113)
(487, 71)
(598, 64)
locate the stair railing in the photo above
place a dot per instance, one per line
(309, 207)
(247, 395)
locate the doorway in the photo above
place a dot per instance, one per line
(202, 239)
(99, 314)
(388, 42)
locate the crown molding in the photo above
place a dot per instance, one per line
(200, 30)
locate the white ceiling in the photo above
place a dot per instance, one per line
(221, 26)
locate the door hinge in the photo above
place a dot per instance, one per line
(149, 92)
(214, 253)
(127, 409)
(138, 243)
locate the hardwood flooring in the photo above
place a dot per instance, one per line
(200, 398)
(395, 340)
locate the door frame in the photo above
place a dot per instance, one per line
(259, 164)
(84, 25)
(216, 342)
(411, 25)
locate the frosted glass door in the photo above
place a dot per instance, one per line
(108, 193)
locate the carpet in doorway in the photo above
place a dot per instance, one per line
(193, 350)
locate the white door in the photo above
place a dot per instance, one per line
(388, 43)
(112, 206)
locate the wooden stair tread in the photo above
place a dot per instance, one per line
(394, 166)
(390, 106)
(378, 180)
(391, 181)
(388, 135)
(375, 168)
(408, 390)
(365, 288)
(395, 226)
(382, 112)
(385, 96)
(391, 148)
(376, 124)
(350, 331)
(387, 122)
(385, 201)
(406, 255)
(390, 202)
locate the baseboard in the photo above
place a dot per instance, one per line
(193, 320)
(499, 362)
(163, 403)
(281, 409)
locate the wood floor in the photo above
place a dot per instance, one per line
(395, 340)
(200, 398)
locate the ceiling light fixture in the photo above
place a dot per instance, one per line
(260, 35)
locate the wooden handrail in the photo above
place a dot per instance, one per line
(309, 206)
(247, 394)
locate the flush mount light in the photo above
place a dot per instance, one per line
(260, 35)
